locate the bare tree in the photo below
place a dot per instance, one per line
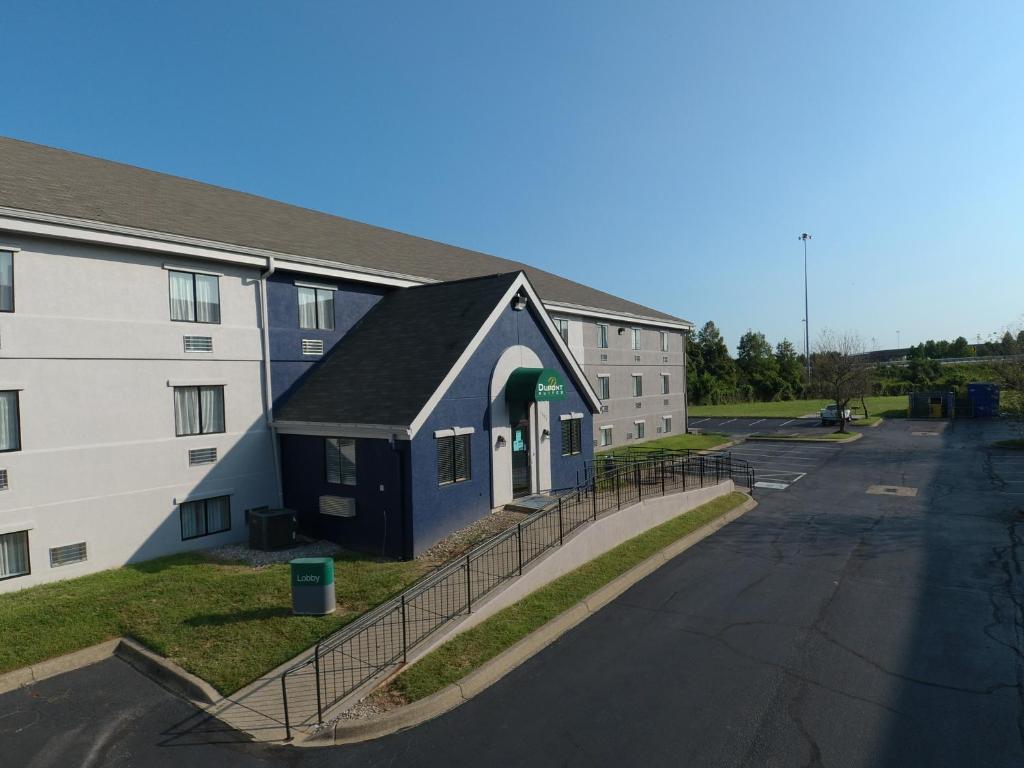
(841, 370)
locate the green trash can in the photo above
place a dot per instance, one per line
(312, 586)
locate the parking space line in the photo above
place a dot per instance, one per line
(730, 421)
(700, 420)
(756, 422)
(787, 422)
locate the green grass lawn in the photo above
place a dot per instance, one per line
(1016, 445)
(466, 652)
(674, 442)
(226, 623)
(895, 405)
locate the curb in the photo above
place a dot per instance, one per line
(771, 439)
(448, 698)
(156, 667)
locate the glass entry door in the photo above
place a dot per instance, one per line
(519, 421)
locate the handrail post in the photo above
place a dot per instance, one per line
(702, 471)
(469, 589)
(683, 463)
(561, 527)
(662, 475)
(284, 699)
(316, 670)
(405, 634)
(636, 477)
(519, 541)
(618, 493)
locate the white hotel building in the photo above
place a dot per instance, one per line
(140, 361)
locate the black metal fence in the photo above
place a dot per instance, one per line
(381, 639)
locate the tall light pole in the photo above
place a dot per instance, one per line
(807, 321)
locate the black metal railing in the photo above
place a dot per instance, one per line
(382, 638)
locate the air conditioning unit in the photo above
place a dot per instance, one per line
(271, 529)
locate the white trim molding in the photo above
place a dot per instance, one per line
(318, 286)
(316, 429)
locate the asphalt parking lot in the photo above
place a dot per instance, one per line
(749, 426)
(778, 465)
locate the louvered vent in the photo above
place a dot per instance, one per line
(604, 409)
(68, 554)
(664, 359)
(636, 358)
(665, 401)
(198, 343)
(639, 404)
(604, 358)
(312, 346)
(337, 506)
(3, 480)
(660, 430)
(629, 435)
(198, 456)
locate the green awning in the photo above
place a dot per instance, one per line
(535, 384)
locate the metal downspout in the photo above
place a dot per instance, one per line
(268, 394)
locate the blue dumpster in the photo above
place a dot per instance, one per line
(984, 398)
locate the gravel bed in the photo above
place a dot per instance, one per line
(234, 553)
(461, 541)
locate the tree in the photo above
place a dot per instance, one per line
(960, 348)
(791, 367)
(757, 364)
(714, 371)
(841, 370)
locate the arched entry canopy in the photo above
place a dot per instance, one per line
(531, 385)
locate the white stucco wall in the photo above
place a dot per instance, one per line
(91, 348)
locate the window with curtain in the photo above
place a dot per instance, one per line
(10, 421)
(664, 341)
(604, 387)
(205, 517)
(6, 281)
(636, 338)
(640, 428)
(572, 436)
(638, 385)
(453, 459)
(602, 336)
(666, 423)
(664, 383)
(340, 459)
(198, 410)
(606, 436)
(563, 328)
(195, 297)
(316, 308)
(14, 559)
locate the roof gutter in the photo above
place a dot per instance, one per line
(268, 393)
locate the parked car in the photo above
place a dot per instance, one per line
(830, 415)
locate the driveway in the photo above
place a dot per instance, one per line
(830, 626)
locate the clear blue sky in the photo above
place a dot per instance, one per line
(668, 152)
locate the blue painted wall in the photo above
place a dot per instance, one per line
(288, 366)
(381, 515)
(439, 510)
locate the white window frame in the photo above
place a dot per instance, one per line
(347, 468)
(638, 384)
(607, 436)
(604, 386)
(27, 553)
(10, 254)
(664, 341)
(562, 326)
(192, 273)
(17, 420)
(443, 441)
(666, 424)
(602, 335)
(320, 323)
(637, 338)
(639, 429)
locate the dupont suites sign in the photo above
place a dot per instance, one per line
(535, 385)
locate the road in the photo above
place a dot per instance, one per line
(750, 426)
(830, 626)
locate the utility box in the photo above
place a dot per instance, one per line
(271, 529)
(984, 399)
(312, 586)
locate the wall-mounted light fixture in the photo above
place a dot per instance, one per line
(621, 331)
(500, 442)
(519, 302)
(545, 434)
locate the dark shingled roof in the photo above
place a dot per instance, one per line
(385, 369)
(54, 181)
